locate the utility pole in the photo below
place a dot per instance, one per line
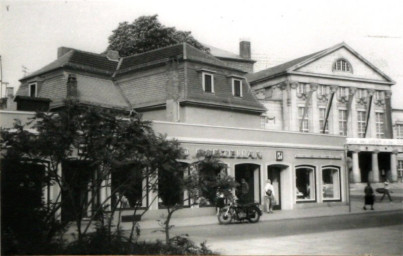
(1, 79)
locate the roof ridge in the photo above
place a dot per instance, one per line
(154, 50)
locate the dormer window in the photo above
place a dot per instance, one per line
(208, 82)
(237, 87)
(342, 65)
(33, 90)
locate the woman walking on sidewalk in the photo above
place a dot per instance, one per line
(369, 196)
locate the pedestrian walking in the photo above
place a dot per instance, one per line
(386, 191)
(369, 196)
(269, 189)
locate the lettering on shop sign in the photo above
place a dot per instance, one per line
(223, 153)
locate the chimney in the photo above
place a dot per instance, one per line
(62, 51)
(244, 49)
(72, 93)
(112, 55)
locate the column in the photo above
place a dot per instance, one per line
(294, 126)
(388, 116)
(315, 109)
(375, 167)
(393, 166)
(356, 176)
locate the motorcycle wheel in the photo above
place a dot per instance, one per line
(253, 215)
(224, 217)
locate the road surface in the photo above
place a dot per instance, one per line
(369, 233)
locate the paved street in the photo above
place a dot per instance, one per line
(377, 233)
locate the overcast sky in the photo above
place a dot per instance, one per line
(31, 31)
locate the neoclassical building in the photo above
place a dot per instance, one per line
(335, 91)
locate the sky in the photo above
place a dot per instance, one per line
(31, 31)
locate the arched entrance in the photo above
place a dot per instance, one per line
(251, 174)
(274, 174)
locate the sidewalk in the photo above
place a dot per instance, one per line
(316, 211)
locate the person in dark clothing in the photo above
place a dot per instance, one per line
(369, 196)
(243, 191)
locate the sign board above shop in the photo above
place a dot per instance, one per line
(226, 153)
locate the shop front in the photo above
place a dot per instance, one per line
(304, 169)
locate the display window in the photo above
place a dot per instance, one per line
(331, 189)
(305, 183)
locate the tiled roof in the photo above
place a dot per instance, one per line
(266, 73)
(79, 60)
(161, 54)
(102, 92)
(220, 53)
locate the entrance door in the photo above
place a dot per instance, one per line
(249, 172)
(273, 173)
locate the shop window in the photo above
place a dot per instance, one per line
(237, 87)
(168, 182)
(33, 90)
(128, 194)
(208, 82)
(305, 183)
(331, 183)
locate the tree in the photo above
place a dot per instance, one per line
(206, 176)
(146, 33)
(104, 144)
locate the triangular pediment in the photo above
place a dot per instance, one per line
(323, 64)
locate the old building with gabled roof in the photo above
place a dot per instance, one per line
(335, 91)
(177, 83)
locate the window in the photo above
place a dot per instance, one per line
(361, 93)
(342, 92)
(378, 95)
(323, 90)
(343, 122)
(305, 183)
(322, 116)
(400, 169)
(342, 65)
(305, 124)
(301, 88)
(361, 119)
(237, 87)
(331, 183)
(399, 131)
(380, 133)
(208, 83)
(33, 90)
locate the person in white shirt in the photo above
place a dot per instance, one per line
(269, 189)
